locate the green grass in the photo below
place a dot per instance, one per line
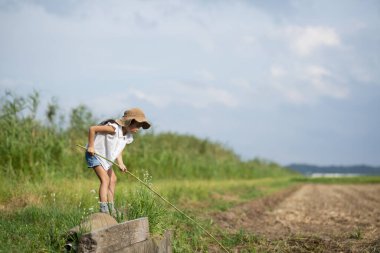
(43, 212)
(34, 148)
(46, 171)
(340, 180)
(47, 189)
(242, 241)
(35, 229)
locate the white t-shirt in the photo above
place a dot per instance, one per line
(110, 145)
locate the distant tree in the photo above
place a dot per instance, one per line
(51, 111)
(32, 103)
(81, 119)
(11, 105)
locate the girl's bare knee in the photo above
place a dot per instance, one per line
(105, 180)
(113, 180)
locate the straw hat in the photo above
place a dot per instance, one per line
(136, 114)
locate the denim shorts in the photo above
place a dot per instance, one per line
(92, 161)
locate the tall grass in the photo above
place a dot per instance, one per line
(45, 190)
(140, 202)
(34, 148)
(34, 229)
(30, 148)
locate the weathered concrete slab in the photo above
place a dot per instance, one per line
(106, 236)
(94, 222)
(114, 238)
(157, 244)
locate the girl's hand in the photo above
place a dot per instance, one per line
(91, 150)
(123, 168)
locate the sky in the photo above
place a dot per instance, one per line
(291, 81)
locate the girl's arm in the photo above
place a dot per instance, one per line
(91, 135)
(120, 162)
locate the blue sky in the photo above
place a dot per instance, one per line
(287, 81)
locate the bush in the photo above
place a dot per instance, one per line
(32, 149)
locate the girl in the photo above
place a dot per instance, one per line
(108, 139)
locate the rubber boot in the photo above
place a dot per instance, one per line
(104, 207)
(112, 210)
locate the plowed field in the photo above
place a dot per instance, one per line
(312, 218)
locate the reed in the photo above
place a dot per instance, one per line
(35, 148)
(48, 188)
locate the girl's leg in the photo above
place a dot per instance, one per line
(104, 183)
(112, 184)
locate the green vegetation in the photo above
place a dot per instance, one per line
(36, 229)
(34, 149)
(46, 188)
(339, 180)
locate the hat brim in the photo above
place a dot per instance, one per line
(145, 124)
(143, 121)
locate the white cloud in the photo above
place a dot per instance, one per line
(222, 97)
(322, 82)
(249, 39)
(205, 75)
(296, 96)
(277, 71)
(241, 83)
(308, 84)
(305, 40)
(134, 68)
(156, 99)
(317, 72)
(194, 95)
(15, 84)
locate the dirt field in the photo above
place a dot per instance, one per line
(313, 218)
